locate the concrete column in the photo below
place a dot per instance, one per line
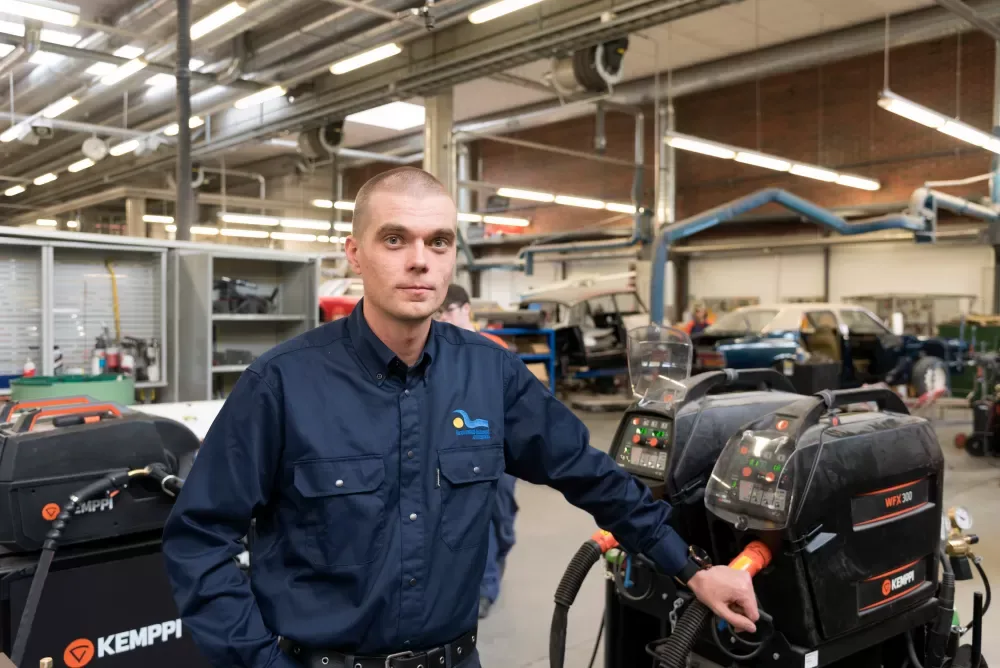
(439, 152)
(135, 209)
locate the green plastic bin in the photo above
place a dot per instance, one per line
(114, 387)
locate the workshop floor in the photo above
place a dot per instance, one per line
(549, 531)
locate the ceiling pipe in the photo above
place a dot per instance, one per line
(973, 17)
(74, 126)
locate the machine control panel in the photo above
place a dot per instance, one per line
(643, 447)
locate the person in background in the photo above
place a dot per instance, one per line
(699, 322)
(457, 310)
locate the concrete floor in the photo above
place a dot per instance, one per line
(549, 531)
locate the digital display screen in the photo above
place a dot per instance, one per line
(754, 479)
(644, 445)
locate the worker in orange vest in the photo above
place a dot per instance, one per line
(457, 310)
(699, 322)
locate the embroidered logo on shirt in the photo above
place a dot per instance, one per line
(478, 429)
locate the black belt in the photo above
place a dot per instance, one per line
(458, 650)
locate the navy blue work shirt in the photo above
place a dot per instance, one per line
(372, 486)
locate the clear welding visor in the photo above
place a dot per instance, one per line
(659, 361)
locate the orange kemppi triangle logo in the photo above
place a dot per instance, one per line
(78, 653)
(886, 588)
(50, 511)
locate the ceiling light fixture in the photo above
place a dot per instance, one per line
(344, 206)
(216, 19)
(950, 126)
(343, 227)
(504, 220)
(15, 132)
(757, 159)
(470, 217)
(170, 228)
(366, 58)
(72, 224)
(516, 193)
(51, 36)
(161, 80)
(260, 97)
(150, 218)
(246, 234)
(582, 202)
(14, 190)
(124, 147)
(174, 128)
(124, 72)
(498, 9)
(248, 219)
(58, 108)
(620, 208)
(45, 178)
(46, 222)
(323, 203)
(80, 165)
(195, 64)
(305, 224)
(205, 231)
(45, 58)
(392, 116)
(293, 236)
(101, 69)
(129, 51)
(44, 10)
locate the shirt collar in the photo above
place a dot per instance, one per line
(379, 361)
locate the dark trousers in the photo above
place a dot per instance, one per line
(501, 538)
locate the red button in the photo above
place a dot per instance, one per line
(635, 439)
(635, 421)
(744, 451)
(747, 471)
(653, 442)
(769, 477)
(782, 425)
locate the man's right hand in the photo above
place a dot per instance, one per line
(728, 593)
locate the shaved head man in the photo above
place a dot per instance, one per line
(368, 451)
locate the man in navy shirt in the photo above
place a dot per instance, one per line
(368, 452)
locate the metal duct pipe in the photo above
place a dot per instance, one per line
(379, 157)
(262, 182)
(185, 192)
(959, 8)
(74, 126)
(926, 202)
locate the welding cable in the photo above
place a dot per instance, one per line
(104, 486)
(939, 633)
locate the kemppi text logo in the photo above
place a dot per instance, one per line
(96, 505)
(898, 582)
(80, 652)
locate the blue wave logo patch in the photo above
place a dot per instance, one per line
(478, 429)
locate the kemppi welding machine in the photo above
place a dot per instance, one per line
(837, 515)
(85, 489)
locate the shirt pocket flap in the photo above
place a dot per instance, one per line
(477, 464)
(333, 477)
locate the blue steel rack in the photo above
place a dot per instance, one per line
(528, 358)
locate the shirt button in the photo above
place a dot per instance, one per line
(413, 582)
(406, 393)
(409, 453)
(413, 517)
(475, 469)
(339, 483)
(378, 376)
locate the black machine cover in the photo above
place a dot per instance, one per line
(850, 505)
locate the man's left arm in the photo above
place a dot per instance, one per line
(546, 444)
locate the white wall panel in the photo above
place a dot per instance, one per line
(768, 277)
(907, 268)
(505, 287)
(584, 268)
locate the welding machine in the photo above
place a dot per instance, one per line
(85, 489)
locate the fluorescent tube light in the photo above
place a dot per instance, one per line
(216, 19)
(814, 173)
(293, 236)
(80, 165)
(516, 193)
(504, 220)
(44, 10)
(5, 49)
(150, 218)
(620, 208)
(174, 128)
(343, 227)
(470, 217)
(101, 69)
(45, 178)
(14, 190)
(305, 224)
(248, 219)
(344, 206)
(123, 72)
(124, 147)
(582, 202)
(766, 161)
(51, 36)
(195, 64)
(15, 132)
(58, 108)
(72, 224)
(170, 228)
(498, 9)
(705, 148)
(260, 97)
(323, 203)
(323, 238)
(45, 58)
(392, 116)
(46, 222)
(911, 110)
(246, 234)
(966, 133)
(129, 51)
(161, 80)
(366, 58)
(857, 182)
(206, 231)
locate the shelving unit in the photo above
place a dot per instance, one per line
(529, 358)
(207, 341)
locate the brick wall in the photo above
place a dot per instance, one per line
(825, 115)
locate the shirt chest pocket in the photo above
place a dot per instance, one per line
(343, 503)
(468, 489)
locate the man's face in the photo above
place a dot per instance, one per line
(460, 316)
(407, 254)
(700, 314)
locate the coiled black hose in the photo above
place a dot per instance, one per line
(588, 555)
(674, 651)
